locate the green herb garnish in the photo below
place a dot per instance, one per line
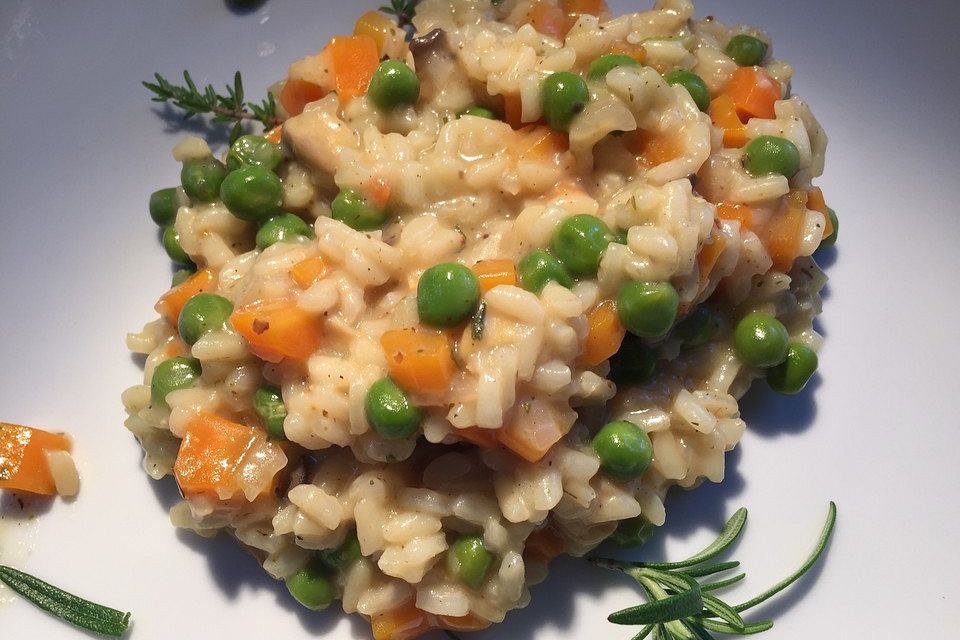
(66, 606)
(402, 10)
(225, 108)
(681, 608)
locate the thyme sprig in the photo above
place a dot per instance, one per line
(679, 607)
(223, 107)
(402, 10)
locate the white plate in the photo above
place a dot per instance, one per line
(81, 148)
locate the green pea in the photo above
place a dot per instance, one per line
(311, 586)
(201, 179)
(633, 363)
(538, 268)
(469, 560)
(479, 112)
(393, 85)
(181, 275)
(766, 155)
(761, 340)
(171, 244)
(252, 193)
(341, 558)
(286, 227)
(255, 151)
(791, 375)
(201, 314)
(831, 239)
(697, 328)
(745, 50)
(390, 412)
(579, 243)
(694, 85)
(163, 206)
(624, 449)
(268, 403)
(172, 375)
(648, 309)
(632, 532)
(350, 208)
(447, 294)
(564, 95)
(603, 65)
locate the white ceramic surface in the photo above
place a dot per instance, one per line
(81, 148)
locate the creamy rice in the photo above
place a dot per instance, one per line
(464, 190)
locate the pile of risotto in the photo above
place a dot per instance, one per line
(485, 295)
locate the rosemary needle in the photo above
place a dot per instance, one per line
(66, 606)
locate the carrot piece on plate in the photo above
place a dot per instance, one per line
(653, 148)
(23, 458)
(580, 7)
(469, 622)
(483, 438)
(418, 361)
(740, 212)
(402, 623)
(723, 113)
(550, 20)
(354, 59)
(816, 202)
(605, 332)
(279, 330)
(308, 271)
(375, 25)
(708, 256)
(225, 458)
(297, 94)
(754, 93)
(171, 303)
(493, 273)
(544, 544)
(781, 234)
(274, 134)
(533, 429)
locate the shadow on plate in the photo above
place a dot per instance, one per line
(17, 505)
(243, 7)
(770, 414)
(215, 136)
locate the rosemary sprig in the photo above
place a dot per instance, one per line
(66, 606)
(224, 107)
(679, 607)
(402, 10)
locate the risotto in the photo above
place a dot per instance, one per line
(481, 300)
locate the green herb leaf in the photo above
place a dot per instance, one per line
(731, 531)
(809, 562)
(722, 584)
(643, 633)
(709, 570)
(675, 607)
(223, 108)
(722, 610)
(66, 606)
(748, 630)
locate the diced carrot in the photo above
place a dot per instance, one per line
(550, 20)
(754, 92)
(537, 141)
(740, 212)
(23, 458)
(492, 273)
(816, 202)
(781, 233)
(513, 110)
(580, 7)
(375, 25)
(353, 59)
(219, 457)
(402, 623)
(533, 429)
(176, 348)
(483, 438)
(654, 149)
(723, 113)
(275, 134)
(469, 622)
(171, 303)
(278, 330)
(296, 94)
(418, 361)
(708, 256)
(308, 271)
(544, 544)
(605, 332)
(377, 193)
(636, 52)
